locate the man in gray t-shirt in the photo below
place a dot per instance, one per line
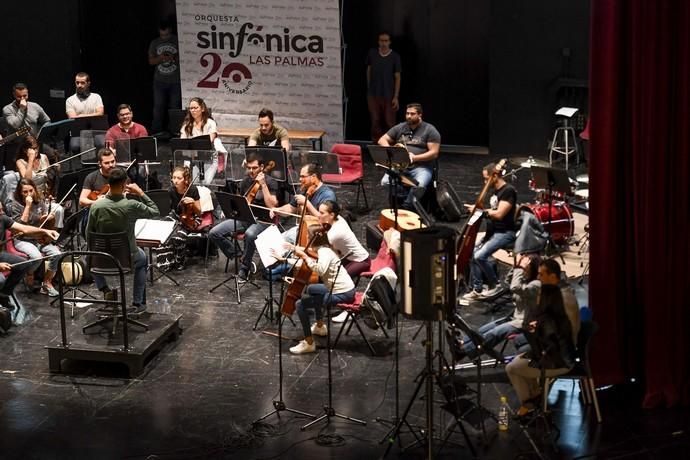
(164, 56)
(423, 143)
(383, 86)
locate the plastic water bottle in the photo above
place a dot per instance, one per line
(503, 417)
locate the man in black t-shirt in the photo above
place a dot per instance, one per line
(98, 178)
(500, 233)
(266, 196)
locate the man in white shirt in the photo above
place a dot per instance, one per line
(83, 103)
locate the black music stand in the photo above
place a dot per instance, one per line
(191, 143)
(54, 134)
(237, 209)
(552, 180)
(143, 150)
(175, 120)
(93, 123)
(393, 160)
(274, 154)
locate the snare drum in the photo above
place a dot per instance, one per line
(562, 224)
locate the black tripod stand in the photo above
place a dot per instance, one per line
(269, 300)
(328, 409)
(278, 404)
(426, 378)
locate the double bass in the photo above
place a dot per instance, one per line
(468, 236)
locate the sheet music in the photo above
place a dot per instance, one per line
(268, 241)
(566, 111)
(153, 230)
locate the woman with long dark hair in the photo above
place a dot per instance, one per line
(198, 122)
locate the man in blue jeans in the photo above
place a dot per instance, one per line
(500, 234)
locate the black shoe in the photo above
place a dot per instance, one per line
(243, 274)
(110, 294)
(138, 309)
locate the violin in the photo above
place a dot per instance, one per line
(256, 186)
(303, 277)
(188, 217)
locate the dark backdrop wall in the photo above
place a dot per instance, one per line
(487, 72)
(539, 62)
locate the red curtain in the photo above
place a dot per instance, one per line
(640, 199)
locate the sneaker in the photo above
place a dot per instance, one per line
(320, 331)
(303, 347)
(492, 292)
(50, 291)
(472, 295)
(340, 318)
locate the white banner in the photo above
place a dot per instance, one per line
(243, 55)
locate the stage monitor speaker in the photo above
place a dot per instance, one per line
(428, 273)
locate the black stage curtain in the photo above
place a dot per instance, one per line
(640, 202)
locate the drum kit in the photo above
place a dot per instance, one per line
(560, 224)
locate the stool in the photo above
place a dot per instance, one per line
(564, 140)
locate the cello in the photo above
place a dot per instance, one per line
(302, 277)
(468, 236)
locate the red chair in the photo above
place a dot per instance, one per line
(352, 169)
(384, 258)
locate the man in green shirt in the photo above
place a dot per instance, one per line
(116, 213)
(269, 133)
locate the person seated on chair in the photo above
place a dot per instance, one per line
(27, 207)
(126, 129)
(35, 166)
(500, 233)
(343, 240)
(266, 196)
(269, 133)
(524, 287)
(96, 181)
(9, 281)
(310, 183)
(423, 142)
(551, 327)
(185, 203)
(336, 287)
(116, 213)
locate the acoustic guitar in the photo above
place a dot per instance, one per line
(23, 131)
(407, 220)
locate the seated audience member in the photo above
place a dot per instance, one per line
(27, 207)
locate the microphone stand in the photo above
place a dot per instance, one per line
(329, 411)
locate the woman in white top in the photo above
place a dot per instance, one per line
(343, 239)
(198, 122)
(34, 166)
(336, 287)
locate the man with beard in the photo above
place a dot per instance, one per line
(269, 133)
(83, 103)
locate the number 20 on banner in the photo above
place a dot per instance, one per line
(233, 71)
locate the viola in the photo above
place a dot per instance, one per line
(188, 217)
(93, 196)
(468, 236)
(256, 186)
(303, 277)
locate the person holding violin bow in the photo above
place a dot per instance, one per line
(313, 193)
(260, 189)
(185, 203)
(335, 287)
(27, 207)
(500, 233)
(36, 166)
(14, 263)
(96, 183)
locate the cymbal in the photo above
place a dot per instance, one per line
(528, 162)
